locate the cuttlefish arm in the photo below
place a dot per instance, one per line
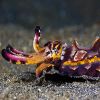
(34, 58)
(42, 67)
(14, 51)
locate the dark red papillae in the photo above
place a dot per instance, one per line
(79, 54)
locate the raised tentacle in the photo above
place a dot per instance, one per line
(36, 40)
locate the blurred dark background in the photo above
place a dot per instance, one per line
(52, 13)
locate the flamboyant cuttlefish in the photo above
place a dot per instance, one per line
(70, 60)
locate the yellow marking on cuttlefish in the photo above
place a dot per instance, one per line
(57, 46)
(35, 59)
(37, 48)
(52, 46)
(85, 61)
(18, 62)
(58, 55)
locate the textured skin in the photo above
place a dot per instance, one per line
(70, 60)
(81, 62)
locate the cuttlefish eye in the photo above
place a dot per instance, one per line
(55, 49)
(47, 53)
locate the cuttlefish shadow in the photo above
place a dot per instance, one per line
(57, 78)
